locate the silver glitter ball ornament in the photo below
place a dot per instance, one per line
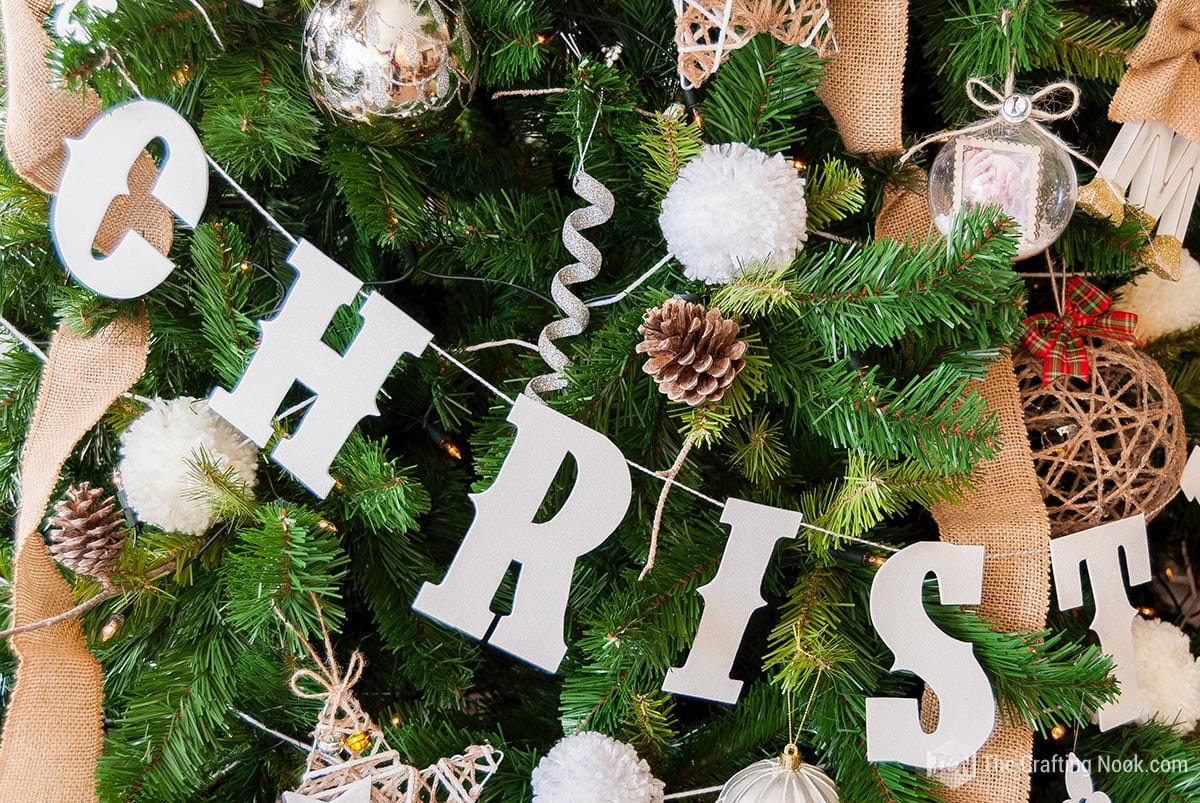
(370, 59)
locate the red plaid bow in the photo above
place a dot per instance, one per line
(1059, 340)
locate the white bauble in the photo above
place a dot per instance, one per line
(1168, 673)
(593, 768)
(786, 779)
(1163, 306)
(731, 208)
(156, 451)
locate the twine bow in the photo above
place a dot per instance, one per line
(1058, 339)
(1013, 108)
(341, 716)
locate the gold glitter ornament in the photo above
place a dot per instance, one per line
(366, 60)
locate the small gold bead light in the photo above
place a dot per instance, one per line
(1058, 732)
(451, 448)
(357, 742)
(875, 560)
(1148, 612)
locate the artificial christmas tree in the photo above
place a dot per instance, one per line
(365, 293)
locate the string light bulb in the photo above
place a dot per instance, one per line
(1058, 733)
(183, 74)
(450, 448)
(875, 560)
(111, 627)
(1148, 612)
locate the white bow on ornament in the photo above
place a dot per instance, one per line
(1079, 784)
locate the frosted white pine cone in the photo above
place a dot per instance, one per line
(732, 208)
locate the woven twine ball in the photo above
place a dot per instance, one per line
(1108, 448)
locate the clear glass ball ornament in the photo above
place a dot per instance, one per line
(786, 779)
(1010, 165)
(370, 59)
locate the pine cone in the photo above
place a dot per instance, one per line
(694, 354)
(87, 534)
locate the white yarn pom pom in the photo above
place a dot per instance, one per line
(1168, 673)
(155, 451)
(1163, 306)
(594, 768)
(733, 207)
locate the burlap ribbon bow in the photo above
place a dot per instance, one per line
(1163, 81)
(1059, 339)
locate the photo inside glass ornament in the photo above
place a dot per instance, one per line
(1015, 168)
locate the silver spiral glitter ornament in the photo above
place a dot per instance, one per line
(370, 59)
(600, 209)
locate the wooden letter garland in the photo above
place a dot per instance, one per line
(504, 532)
(1100, 550)
(493, 542)
(967, 705)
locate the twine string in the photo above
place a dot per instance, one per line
(808, 707)
(1008, 108)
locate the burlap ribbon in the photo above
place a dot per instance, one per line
(1163, 80)
(1004, 512)
(52, 729)
(863, 83)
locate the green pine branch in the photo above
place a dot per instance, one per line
(761, 94)
(1092, 47)
(669, 141)
(278, 562)
(834, 191)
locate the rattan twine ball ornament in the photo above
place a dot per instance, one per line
(786, 779)
(371, 59)
(1108, 448)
